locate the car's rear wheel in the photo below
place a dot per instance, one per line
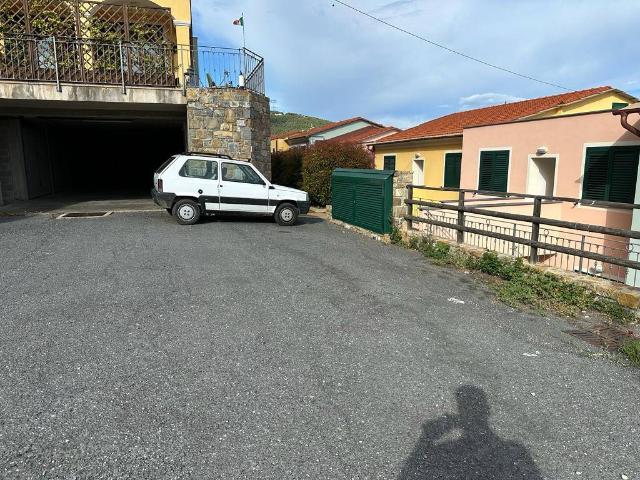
(187, 212)
(286, 214)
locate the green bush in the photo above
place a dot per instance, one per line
(632, 350)
(321, 159)
(286, 167)
(522, 285)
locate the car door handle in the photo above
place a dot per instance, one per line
(200, 192)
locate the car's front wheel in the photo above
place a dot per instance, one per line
(187, 212)
(286, 214)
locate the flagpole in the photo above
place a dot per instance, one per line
(244, 40)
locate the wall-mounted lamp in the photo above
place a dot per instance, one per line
(542, 150)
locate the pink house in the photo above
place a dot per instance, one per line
(587, 156)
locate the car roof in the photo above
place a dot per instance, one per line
(219, 156)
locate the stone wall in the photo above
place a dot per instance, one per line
(399, 209)
(230, 121)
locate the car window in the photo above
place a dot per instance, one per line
(161, 168)
(234, 172)
(194, 168)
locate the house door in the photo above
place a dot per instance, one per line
(418, 172)
(542, 175)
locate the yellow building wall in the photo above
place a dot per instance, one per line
(279, 145)
(432, 152)
(181, 12)
(597, 103)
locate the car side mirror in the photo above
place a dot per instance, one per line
(271, 187)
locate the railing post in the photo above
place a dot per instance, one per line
(535, 229)
(409, 206)
(55, 59)
(460, 233)
(124, 86)
(580, 262)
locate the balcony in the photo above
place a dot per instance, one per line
(141, 64)
(111, 43)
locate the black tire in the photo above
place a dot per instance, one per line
(286, 214)
(187, 212)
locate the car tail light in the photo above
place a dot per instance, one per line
(159, 184)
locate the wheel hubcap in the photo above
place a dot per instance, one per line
(286, 215)
(186, 212)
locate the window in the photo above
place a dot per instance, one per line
(194, 168)
(389, 162)
(610, 174)
(494, 170)
(452, 164)
(161, 168)
(618, 105)
(233, 172)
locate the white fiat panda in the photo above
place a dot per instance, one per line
(190, 185)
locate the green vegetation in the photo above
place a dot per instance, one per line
(519, 285)
(631, 350)
(286, 122)
(321, 159)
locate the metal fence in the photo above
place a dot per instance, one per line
(225, 67)
(69, 60)
(478, 218)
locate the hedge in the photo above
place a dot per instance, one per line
(321, 159)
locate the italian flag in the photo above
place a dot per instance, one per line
(239, 21)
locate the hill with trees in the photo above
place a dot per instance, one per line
(284, 122)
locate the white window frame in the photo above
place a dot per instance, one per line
(444, 165)
(494, 149)
(390, 155)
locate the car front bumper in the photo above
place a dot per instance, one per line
(304, 207)
(164, 200)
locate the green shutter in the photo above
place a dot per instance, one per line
(596, 172)
(610, 174)
(389, 162)
(494, 170)
(618, 105)
(624, 174)
(452, 165)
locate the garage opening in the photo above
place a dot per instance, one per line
(101, 158)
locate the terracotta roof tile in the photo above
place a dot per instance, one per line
(363, 134)
(330, 126)
(284, 134)
(453, 123)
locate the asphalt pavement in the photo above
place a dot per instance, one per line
(132, 347)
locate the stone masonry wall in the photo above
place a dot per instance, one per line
(230, 121)
(399, 209)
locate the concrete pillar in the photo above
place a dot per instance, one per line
(12, 169)
(230, 121)
(633, 277)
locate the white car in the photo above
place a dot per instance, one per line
(190, 185)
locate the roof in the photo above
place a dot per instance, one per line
(454, 123)
(278, 136)
(364, 134)
(330, 126)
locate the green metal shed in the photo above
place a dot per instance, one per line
(363, 197)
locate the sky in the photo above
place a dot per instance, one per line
(323, 59)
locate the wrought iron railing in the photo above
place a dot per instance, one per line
(69, 60)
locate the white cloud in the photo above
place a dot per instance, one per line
(478, 100)
(328, 61)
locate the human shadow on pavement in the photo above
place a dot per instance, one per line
(478, 453)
